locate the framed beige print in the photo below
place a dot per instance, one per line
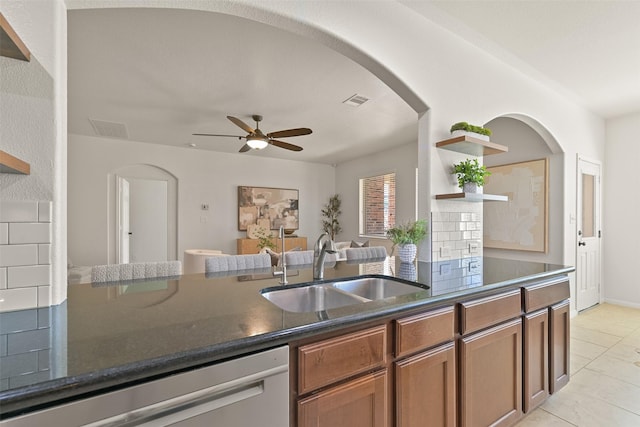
(521, 223)
(273, 206)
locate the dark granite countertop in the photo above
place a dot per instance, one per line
(111, 335)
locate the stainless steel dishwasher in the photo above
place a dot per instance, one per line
(247, 391)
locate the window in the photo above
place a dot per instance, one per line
(377, 204)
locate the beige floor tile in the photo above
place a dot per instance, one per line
(594, 337)
(632, 339)
(577, 362)
(616, 368)
(586, 349)
(615, 327)
(624, 351)
(541, 418)
(586, 411)
(608, 389)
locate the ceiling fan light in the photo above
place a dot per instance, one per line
(257, 142)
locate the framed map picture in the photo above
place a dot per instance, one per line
(521, 223)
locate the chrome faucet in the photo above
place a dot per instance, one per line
(323, 246)
(283, 260)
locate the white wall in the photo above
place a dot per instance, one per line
(203, 177)
(402, 160)
(621, 182)
(33, 120)
(526, 144)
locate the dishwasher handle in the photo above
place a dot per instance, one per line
(193, 404)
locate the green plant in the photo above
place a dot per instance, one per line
(264, 238)
(470, 171)
(471, 128)
(331, 211)
(409, 232)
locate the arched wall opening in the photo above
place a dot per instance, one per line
(527, 140)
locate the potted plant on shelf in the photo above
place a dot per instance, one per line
(406, 237)
(470, 175)
(464, 128)
(331, 211)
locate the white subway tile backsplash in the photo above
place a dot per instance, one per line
(14, 255)
(25, 254)
(4, 233)
(32, 275)
(44, 296)
(18, 211)
(18, 299)
(25, 232)
(44, 211)
(44, 254)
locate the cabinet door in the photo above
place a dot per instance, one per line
(491, 376)
(358, 403)
(425, 389)
(536, 359)
(559, 346)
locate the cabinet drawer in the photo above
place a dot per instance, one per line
(545, 294)
(423, 331)
(334, 359)
(489, 311)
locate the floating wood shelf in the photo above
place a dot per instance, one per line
(10, 44)
(10, 164)
(472, 146)
(472, 197)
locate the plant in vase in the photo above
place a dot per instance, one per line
(470, 175)
(330, 213)
(406, 237)
(264, 238)
(464, 128)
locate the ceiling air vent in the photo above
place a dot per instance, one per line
(109, 129)
(356, 100)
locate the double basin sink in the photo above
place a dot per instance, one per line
(329, 295)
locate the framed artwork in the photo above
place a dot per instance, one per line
(279, 206)
(521, 223)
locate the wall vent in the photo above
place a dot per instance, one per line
(355, 100)
(109, 129)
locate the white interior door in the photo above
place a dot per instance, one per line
(589, 232)
(148, 220)
(123, 221)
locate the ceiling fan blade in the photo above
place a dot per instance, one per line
(242, 125)
(289, 133)
(285, 145)
(244, 148)
(214, 134)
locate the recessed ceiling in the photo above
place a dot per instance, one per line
(587, 49)
(166, 74)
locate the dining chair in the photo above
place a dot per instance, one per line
(237, 262)
(135, 271)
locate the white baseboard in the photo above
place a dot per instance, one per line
(622, 303)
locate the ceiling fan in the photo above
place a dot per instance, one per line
(258, 140)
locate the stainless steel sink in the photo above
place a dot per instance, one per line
(311, 298)
(375, 288)
(325, 296)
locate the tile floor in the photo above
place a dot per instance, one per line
(604, 390)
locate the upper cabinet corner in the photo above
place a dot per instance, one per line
(10, 44)
(472, 146)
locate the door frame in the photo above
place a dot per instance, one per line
(598, 225)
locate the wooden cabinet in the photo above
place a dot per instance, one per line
(558, 346)
(425, 383)
(491, 376)
(358, 403)
(250, 246)
(345, 380)
(536, 359)
(426, 388)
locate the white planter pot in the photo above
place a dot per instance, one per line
(407, 252)
(456, 133)
(407, 271)
(471, 187)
